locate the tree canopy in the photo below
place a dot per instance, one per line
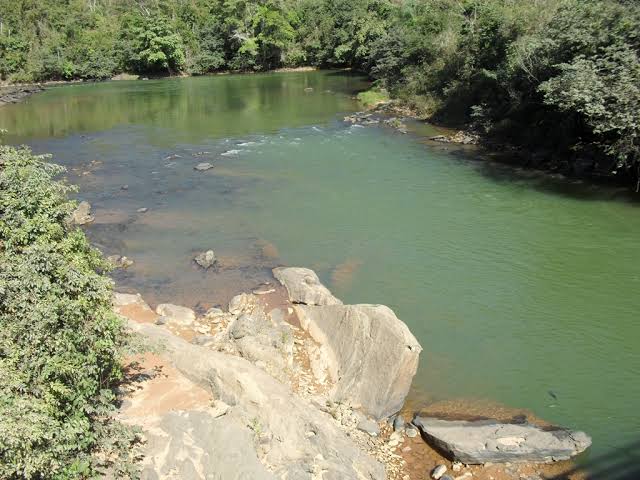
(550, 74)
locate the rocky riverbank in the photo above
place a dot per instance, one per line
(17, 93)
(288, 382)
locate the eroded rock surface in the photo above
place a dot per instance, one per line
(264, 421)
(303, 286)
(487, 441)
(372, 356)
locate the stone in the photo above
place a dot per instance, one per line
(303, 286)
(203, 167)
(263, 291)
(205, 259)
(479, 442)
(257, 339)
(119, 261)
(214, 312)
(176, 314)
(456, 466)
(438, 472)
(125, 299)
(265, 420)
(398, 423)
(244, 302)
(411, 432)
(82, 214)
(142, 210)
(446, 477)
(371, 354)
(368, 426)
(464, 476)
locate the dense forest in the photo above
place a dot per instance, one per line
(560, 77)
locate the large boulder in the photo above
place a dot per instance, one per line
(477, 442)
(304, 286)
(372, 355)
(289, 436)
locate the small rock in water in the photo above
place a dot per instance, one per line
(438, 472)
(411, 432)
(398, 423)
(119, 261)
(202, 167)
(172, 157)
(205, 259)
(124, 187)
(142, 210)
(201, 154)
(230, 152)
(82, 214)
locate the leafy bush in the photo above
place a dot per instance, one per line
(61, 345)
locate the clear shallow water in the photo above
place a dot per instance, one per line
(514, 286)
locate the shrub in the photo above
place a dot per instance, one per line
(61, 345)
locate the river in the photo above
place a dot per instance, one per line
(522, 288)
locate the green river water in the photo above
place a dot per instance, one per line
(516, 284)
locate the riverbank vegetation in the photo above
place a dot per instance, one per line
(61, 345)
(560, 77)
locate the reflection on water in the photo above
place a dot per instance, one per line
(513, 291)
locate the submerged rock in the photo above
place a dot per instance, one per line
(205, 259)
(202, 167)
(82, 214)
(119, 261)
(372, 356)
(303, 286)
(478, 442)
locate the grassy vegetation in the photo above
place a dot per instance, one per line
(373, 97)
(61, 345)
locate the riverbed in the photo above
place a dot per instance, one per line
(521, 287)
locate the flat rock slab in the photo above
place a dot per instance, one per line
(478, 442)
(303, 286)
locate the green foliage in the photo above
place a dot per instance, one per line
(535, 73)
(371, 98)
(61, 345)
(151, 45)
(558, 75)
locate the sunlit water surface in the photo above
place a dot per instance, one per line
(515, 285)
